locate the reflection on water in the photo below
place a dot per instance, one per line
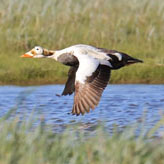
(120, 105)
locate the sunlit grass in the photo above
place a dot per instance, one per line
(135, 27)
(21, 142)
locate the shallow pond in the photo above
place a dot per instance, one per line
(120, 105)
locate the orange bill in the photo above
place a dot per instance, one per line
(26, 56)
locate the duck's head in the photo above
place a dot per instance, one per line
(38, 52)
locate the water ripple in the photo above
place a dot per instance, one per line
(120, 104)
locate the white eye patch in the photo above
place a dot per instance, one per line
(39, 49)
(118, 55)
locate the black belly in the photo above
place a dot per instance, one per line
(68, 59)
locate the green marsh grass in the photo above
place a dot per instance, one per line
(23, 143)
(134, 27)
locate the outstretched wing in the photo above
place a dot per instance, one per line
(88, 92)
(70, 84)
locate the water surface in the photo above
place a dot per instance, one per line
(120, 104)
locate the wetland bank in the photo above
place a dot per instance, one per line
(136, 29)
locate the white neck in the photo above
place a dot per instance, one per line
(60, 52)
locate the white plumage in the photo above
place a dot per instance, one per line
(87, 66)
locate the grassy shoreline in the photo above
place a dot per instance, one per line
(136, 29)
(56, 73)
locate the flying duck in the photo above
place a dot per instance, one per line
(89, 73)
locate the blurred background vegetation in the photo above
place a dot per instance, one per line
(23, 143)
(135, 27)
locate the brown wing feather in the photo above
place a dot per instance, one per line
(87, 96)
(70, 84)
